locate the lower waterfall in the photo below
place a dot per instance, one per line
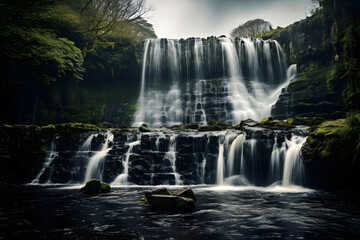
(122, 179)
(253, 157)
(95, 167)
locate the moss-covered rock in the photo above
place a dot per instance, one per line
(104, 125)
(191, 126)
(266, 120)
(95, 186)
(186, 192)
(334, 146)
(209, 128)
(162, 199)
(144, 128)
(184, 204)
(219, 124)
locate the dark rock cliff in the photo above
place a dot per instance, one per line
(325, 49)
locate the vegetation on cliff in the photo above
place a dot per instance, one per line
(336, 146)
(328, 59)
(54, 52)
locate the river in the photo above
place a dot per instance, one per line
(63, 212)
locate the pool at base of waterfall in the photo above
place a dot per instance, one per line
(63, 212)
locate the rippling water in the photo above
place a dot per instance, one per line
(34, 212)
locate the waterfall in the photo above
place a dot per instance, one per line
(171, 155)
(141, 115)
(122, 179)
(194, 81)
(220, 165)
(95, 166)
(252, 157)
(277, 160)
(50, 156)
(236, 147)
(293, 167)
(182, 81)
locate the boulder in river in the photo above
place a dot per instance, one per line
(94, 186)
(144, 128)
(162, 199)
(186, 192)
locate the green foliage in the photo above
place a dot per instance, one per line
(44, 43)
(31, 43)
(266, 120)
(335, 140)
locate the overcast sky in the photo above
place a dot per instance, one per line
(202, 18)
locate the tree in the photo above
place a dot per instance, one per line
(251, 28)
(315, 5)
(101, 19)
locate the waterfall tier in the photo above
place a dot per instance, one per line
(195, 80)
(257, 156)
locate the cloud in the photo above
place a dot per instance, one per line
(202, 18)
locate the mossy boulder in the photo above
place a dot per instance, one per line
(266, 120)
(186, 192)
(219, 124)
(191, 126)
(95, 186)
(334, 145)
(324, 139)
(104, 125)
(144, 128)
(209, 128)
(162, 199)
(184, 204)
(246, 123)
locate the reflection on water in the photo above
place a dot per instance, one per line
(34, 212)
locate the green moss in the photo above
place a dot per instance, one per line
(190, 126)
(184, 204)
(209, 128)
(48, 127)
(143, 201)
(76, 127)
(266, 120)
(94, 186)
(219, 124)
(335, 140)
(105, 187)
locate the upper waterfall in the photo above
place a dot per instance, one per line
(195, 80)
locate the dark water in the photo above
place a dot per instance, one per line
(33, 212)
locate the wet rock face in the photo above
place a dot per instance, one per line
(309, 93)
(167, 156)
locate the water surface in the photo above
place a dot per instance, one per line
(38, 212)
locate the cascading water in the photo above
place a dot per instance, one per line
(95, 167)
(122, 179)
(277, 160)
(195, 80)
(171, 155)
(220, 165)
(235, 152)
(50, 156)
(253, 157)
(293, 167)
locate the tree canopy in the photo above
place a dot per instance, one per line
(47, 40)
(251, 28)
